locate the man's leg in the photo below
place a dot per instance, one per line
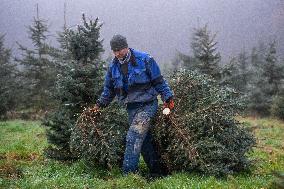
(134, 140)
(151, 156)
(139, 126)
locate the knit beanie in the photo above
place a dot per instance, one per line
(118, 42)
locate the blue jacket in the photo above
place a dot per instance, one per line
(142, 83)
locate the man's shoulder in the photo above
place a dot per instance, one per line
(140, 54)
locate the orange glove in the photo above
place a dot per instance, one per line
(170, 104)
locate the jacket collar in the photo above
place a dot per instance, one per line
(132, 58)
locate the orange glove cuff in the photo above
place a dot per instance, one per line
(170, 104)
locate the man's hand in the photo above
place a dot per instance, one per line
(95, 108)
(169, 104)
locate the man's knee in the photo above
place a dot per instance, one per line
(134, 141)
(141, 123)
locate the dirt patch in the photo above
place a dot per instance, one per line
(254, 127)
(18, 157)
(10, 171)
(2, 156)
(40, 135)
(267, 149)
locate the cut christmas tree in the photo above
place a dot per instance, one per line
(201, 133)
(99, 137)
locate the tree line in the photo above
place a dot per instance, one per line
(256, 75)
(45, 77)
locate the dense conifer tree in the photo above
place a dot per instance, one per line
(267, 78)
(38, 74)
(205, 52)
(243, 73)
(272, 70)
(78, 86)
(205, 58)
(8, 85)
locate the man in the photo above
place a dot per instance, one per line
(135, 78)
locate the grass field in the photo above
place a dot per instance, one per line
(22, 164)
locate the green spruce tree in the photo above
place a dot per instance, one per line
(277, 107)
(78, 86)
(38, 73)
(61, 56)
(257, 99)
(228, 73)
(243, 74)
(237, 73)
(272, 70)
(206, 56)
(267, 80)
(186, 61)
(8, 83)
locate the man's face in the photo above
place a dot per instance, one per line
(120, 54)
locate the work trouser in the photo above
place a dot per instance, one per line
(139, 139)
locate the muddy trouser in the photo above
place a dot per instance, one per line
(139, 138)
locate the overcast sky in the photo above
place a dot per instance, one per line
(160, 27)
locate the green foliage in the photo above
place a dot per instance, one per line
(84, 44)
(272, 70)
(205, 58)
(267, 78)
(8, 85)
(277, 107)
(202, 133)
(279, 182)
(243, 74)
(259, 102)
(229, 73)
(205, 52)
(38, 74)
(237, 74)
(59, 124)
(78, 85)
(186, 62)
(99, 137)
(258, 76)
(38, 33)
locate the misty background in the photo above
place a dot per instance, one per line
(159, 27)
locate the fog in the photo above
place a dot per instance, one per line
(160, 27)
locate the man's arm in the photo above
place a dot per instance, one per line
(157, 80)
(108, 92)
